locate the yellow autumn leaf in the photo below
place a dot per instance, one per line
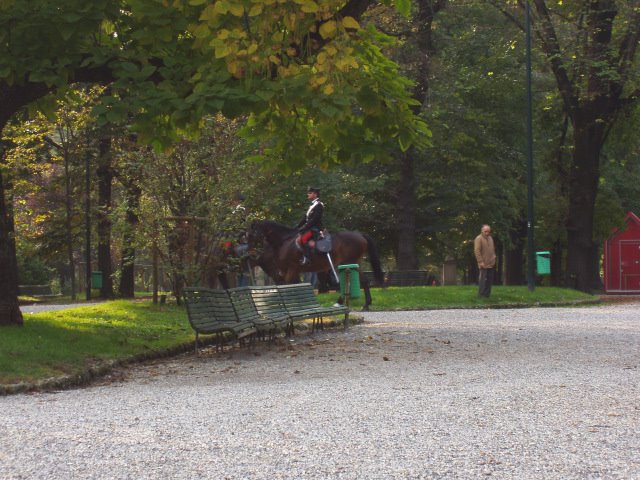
(221, 7)
(238, 33)
(202, 31)
(255, 10)
(328, 90)
(328, 29)
(209, 13)
(350, 22)
(343, 64)
(223, 34)
(233, 67)
(222, 51)
(237, 10)
(309, 6)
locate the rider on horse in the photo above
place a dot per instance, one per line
(311, 224)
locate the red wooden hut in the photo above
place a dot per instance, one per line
(622, 258)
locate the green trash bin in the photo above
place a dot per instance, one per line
(543, 263)
(354, 279)
(96, 279)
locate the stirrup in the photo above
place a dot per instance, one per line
(304, 260)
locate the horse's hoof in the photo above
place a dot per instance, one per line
(365, 309)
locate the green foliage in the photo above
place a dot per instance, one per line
(474, 173)
(175, 62)
(47, 158)
(187, 204)
(33, 271)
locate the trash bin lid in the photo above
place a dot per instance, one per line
(349, 266)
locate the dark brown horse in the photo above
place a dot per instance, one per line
(279, 256)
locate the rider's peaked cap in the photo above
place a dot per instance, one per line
(314, 190)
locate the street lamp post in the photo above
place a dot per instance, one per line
(530, 243)
(87, 218)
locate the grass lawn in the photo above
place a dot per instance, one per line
(67, 341)
(63, 342)
(425, 298)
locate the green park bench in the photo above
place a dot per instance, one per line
(211, 312)
(37, 291)
(246, 311)
(269, 304)
(249, 306)
(301, 303)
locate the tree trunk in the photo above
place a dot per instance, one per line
(592, 89)
(583, 188)
(557, 252)
(10, 313)
(407, 258)
(12, 99)
(514, 257)
(127, 278)
(498, 273)
(105, 179)
(69, 223)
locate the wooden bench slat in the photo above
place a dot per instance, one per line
(269, 304)
(301, 303)
(211, 312)
(246, 309)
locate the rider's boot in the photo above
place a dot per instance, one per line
(306, 254)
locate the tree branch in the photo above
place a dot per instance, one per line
(52, 142)
(629, 44)
(551, 48)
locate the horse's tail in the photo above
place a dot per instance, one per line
(374, 259)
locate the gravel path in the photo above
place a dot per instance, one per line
(465, 394)
(47, 307)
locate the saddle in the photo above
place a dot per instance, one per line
(322, 241)
(323, 244)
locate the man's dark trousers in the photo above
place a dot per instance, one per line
(485, 281)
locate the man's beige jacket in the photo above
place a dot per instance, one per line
(485, 251)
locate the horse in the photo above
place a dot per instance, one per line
(280, 256)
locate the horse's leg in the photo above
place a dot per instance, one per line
(364, 283)
(222, 278)
(323, 282)
(292, 276)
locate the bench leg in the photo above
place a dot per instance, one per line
(317, 322)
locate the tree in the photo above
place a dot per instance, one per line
(316, 83)
(591, 48)
(421, 42)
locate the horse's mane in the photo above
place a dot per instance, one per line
(279, 229)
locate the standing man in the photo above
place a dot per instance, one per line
(311, 224)
(485, 253)
(235, 246)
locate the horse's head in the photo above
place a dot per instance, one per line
(274, 233)
(255, 238)
(261, 251)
